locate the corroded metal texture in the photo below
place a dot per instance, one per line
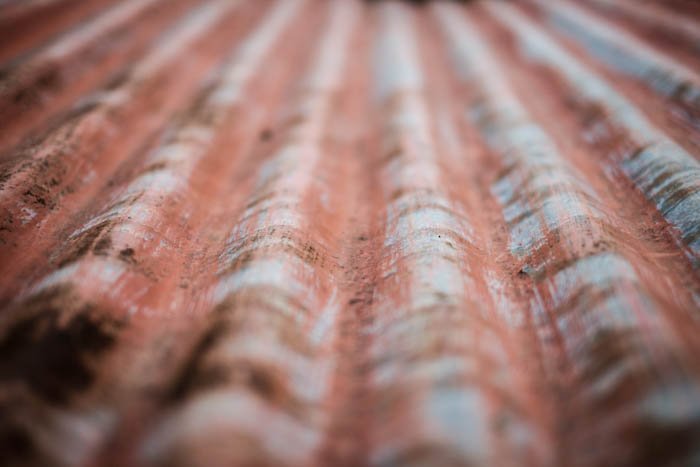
(311, 232)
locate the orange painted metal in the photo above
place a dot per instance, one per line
(309, 232)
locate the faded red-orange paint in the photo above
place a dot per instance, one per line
(291, 232)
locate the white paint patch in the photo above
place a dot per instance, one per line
(27, 214)
(660, 156)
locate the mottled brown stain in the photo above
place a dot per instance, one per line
(676, 445)
(127, 255)
(16, 443)
(50, 346)
(48, 80)
(203, 371)
(192, 377)
(274, 308)
(289, 240)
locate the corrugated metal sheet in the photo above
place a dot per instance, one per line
(349, 233)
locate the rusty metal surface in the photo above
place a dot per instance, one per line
(289, 232)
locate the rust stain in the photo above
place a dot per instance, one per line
(344, 232)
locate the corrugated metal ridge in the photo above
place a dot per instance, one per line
(308, 232)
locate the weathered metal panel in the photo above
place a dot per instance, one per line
(309, 232)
